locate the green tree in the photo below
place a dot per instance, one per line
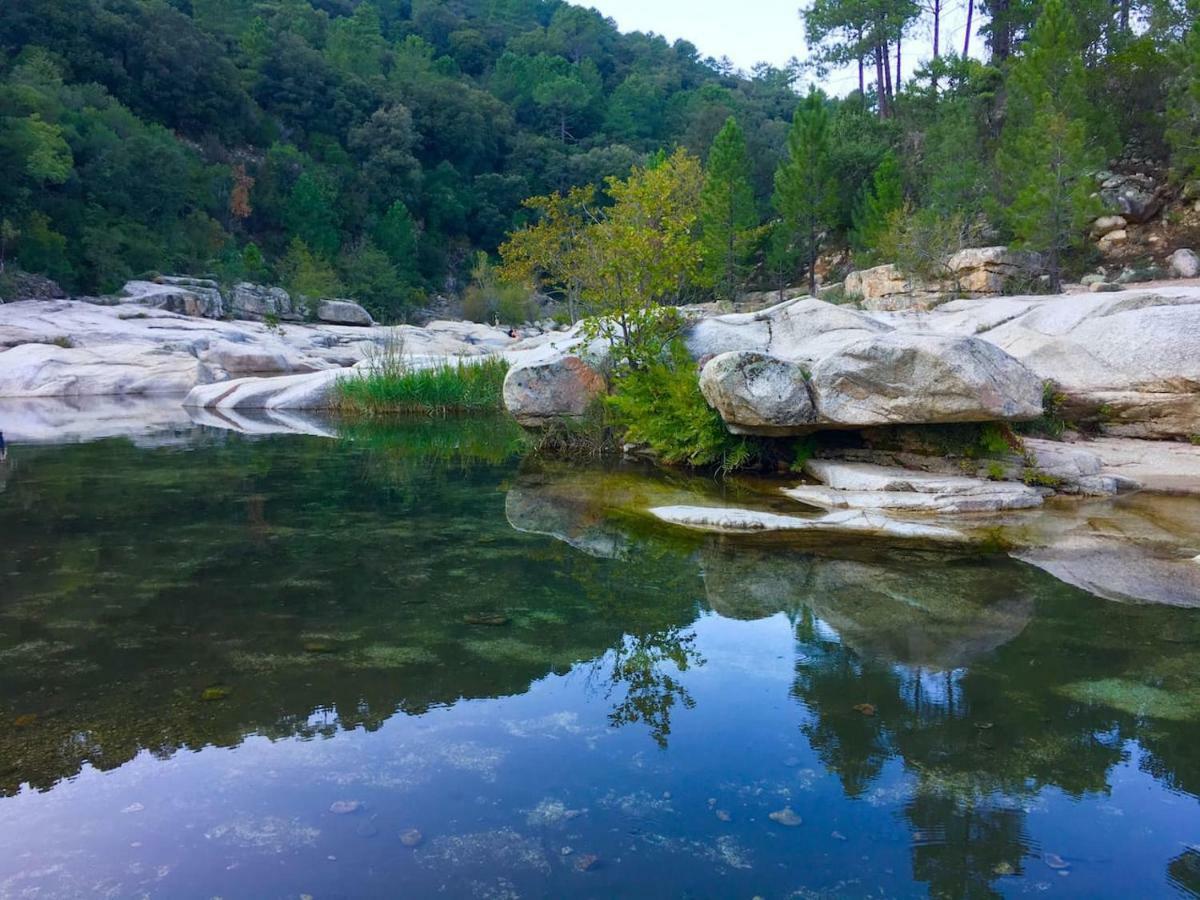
(306, 274)
(1183, 110)
(805, 187)
(728, 215)
(310, 216)
(884, 195)
(396, 235)
(1046, 160)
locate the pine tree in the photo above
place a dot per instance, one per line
(396, 235)
(805, 186)
(1183, 109)
(882, 196)
(728, 216)
(1045, 159)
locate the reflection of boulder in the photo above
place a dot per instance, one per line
(1139, 548)
(935, 612)
(556, 509)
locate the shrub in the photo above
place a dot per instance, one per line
(660, 404)
(395, 387)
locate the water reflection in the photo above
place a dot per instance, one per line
(419, 584)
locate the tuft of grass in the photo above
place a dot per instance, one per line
(460, 387)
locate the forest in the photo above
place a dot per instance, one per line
(387, 150)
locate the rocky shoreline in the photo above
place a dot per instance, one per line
(1126, 366)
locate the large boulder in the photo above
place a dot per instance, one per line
(1130, 362)
(541, 393)
(343, 312)
(898, 378)
(757, 394)
(1185, 264)
(1135, 197)
(260, 302)
(798, 330)
(187, 297)
(990, 270)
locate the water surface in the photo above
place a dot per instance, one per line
(410, 663)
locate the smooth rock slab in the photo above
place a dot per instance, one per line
(856, 476)
(988, 497)
(921, 379)
(750, 521)
(756, 393)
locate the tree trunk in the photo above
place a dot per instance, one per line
(1124, 19)
(887, 77)
(861, 86)
(937, 25)
(882, 98)
(967, 34)
(899, 78)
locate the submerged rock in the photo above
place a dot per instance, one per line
(786, 817)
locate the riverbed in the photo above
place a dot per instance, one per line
(407, 659)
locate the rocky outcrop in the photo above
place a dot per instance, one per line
(1137, 196)
(758, 394)
(185, 296)
(900, 378)
(975, 271)
(540, 393)
(71, 348)
(1129, 362)
(343, 312)
(260, 303)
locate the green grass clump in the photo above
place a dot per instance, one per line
(447, 388)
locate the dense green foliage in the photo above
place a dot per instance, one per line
(660, 405)
(445, 388)
(389, 140)
(373, 148)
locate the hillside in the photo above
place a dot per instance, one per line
(391, 139)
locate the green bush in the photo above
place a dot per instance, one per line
(659, 404)
(446, 388)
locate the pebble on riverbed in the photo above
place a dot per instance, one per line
(411, 837)
(344, 807)
(786, 816)
(492, 619)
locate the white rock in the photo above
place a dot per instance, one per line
(750, 521)
(1113, 237)
(1185, 264)
(343, 312)
(899, 378)
(1106, 224)
(851, 485)
(757, 394)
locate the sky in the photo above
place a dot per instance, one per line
(750, 31)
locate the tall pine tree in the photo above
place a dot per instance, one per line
(805, 187)
(1183, 109)
(882, 196)
(728, 217)
(1046, 160)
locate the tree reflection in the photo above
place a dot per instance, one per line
(643, 668)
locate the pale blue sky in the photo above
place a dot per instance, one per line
(749, 31)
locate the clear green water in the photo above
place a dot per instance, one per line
(244, 668)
